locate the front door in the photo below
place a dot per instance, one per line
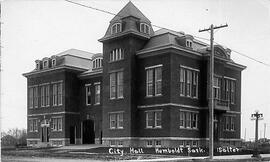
(88, 132)
(72, 134)
(45, 130)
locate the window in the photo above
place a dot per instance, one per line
(217, 85)
(116, 28)
(229, 123)
(187, 143)
(116, 85)
(232, 92)
(42, 96)
(116, 120)
(181, 143)
(53, 62)
(189, 82)
(45, 64)
(30, 97)
(57, 123)
(97, 63)
(227, 89)
(97, 93)
(189, 43)
(144, 28)
(35, 96)
(149, 143)
(47, 93)
(188, 119)
(37, 65)
(88, 94)
(57, 93)
(158, 143)
(153, 119)
(116, 54)
(194, 143)
(33, 125)
(113, 143)
(154, 81)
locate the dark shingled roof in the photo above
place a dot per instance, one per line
(130, 10)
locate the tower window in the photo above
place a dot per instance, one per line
(144, 28)
(116, 54)
(97, 63)
(189, 43)
(116, 28)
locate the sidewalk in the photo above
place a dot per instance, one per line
(226, 157)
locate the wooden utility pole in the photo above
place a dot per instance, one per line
(256, 116)
(211, 94)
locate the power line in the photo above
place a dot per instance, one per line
(107, 12)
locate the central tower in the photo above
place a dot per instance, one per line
(127, 33)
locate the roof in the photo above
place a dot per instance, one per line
(164, 37)
(130, 10)
(77, 53)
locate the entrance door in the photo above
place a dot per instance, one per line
(45, 130)
(88, 132)
(72, 135)
(216, 128)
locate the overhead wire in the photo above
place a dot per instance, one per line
(107, 12)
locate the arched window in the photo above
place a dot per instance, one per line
(116, 28)
(116, 54)
(144, 28)
(189, 43)
(97, 63)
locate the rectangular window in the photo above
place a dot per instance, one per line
(36, 97)
(227, 122)
(54, 94)
(33, 125)
(158, 144)
(120, 84)
(30, 97)
(57, 124)
(182, 119)
(232, 92)
(154, 81)
(42, 96)
(59, 93)
(116, 120)
(232, 123)
(188, 119)
(149, 82)
(227, 89)
(153, 119)
(88, 94)
(97, 94)
(195, 84)
(189, 80)
(194, 143)
(149, 143)
(47, 98)
(181, 143)
(182, 82)
(116, 85)
(217, 84)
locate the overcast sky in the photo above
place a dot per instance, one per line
(35, 29)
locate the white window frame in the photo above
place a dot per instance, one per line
(117, 85)
(57, 124)
(152, 123)
(118, 122)
(149, 143)
(47, 95)
(158, 143)
(116, 25)
(97, 93)
(31, 97)
(87, 94)
(45, 62)
(144, 27)
(152, 81)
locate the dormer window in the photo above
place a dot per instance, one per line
(144, 28)
(116, 28)
(97, 63)
(53, 62)
(189, 43)
(116, 54)
(45, 64)
(37, 65)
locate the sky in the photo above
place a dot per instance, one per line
(36, 29)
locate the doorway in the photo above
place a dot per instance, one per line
(45, 131)
(72, 134)
(88, 132)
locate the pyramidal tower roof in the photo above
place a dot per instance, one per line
(130, 10)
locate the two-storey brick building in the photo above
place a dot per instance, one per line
(148, 88)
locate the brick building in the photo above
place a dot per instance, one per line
(148, 88)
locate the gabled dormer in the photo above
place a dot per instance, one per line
(130, 20)
(185, 41)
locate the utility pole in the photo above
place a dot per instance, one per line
(256, 116)
(264, 131)
(211, 94)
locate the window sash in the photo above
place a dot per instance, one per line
(97, 94)
(120, 84)
(157, 119)
(149, 119)
(158, 81)
(112, 85)
(42, 96)
(54, 94)
(47, 98)
(182, 81)
(120, 120)
(149, 82)
(31, 98)
(112, 121)
(35, 97)
(59, 93)
(88, 94)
